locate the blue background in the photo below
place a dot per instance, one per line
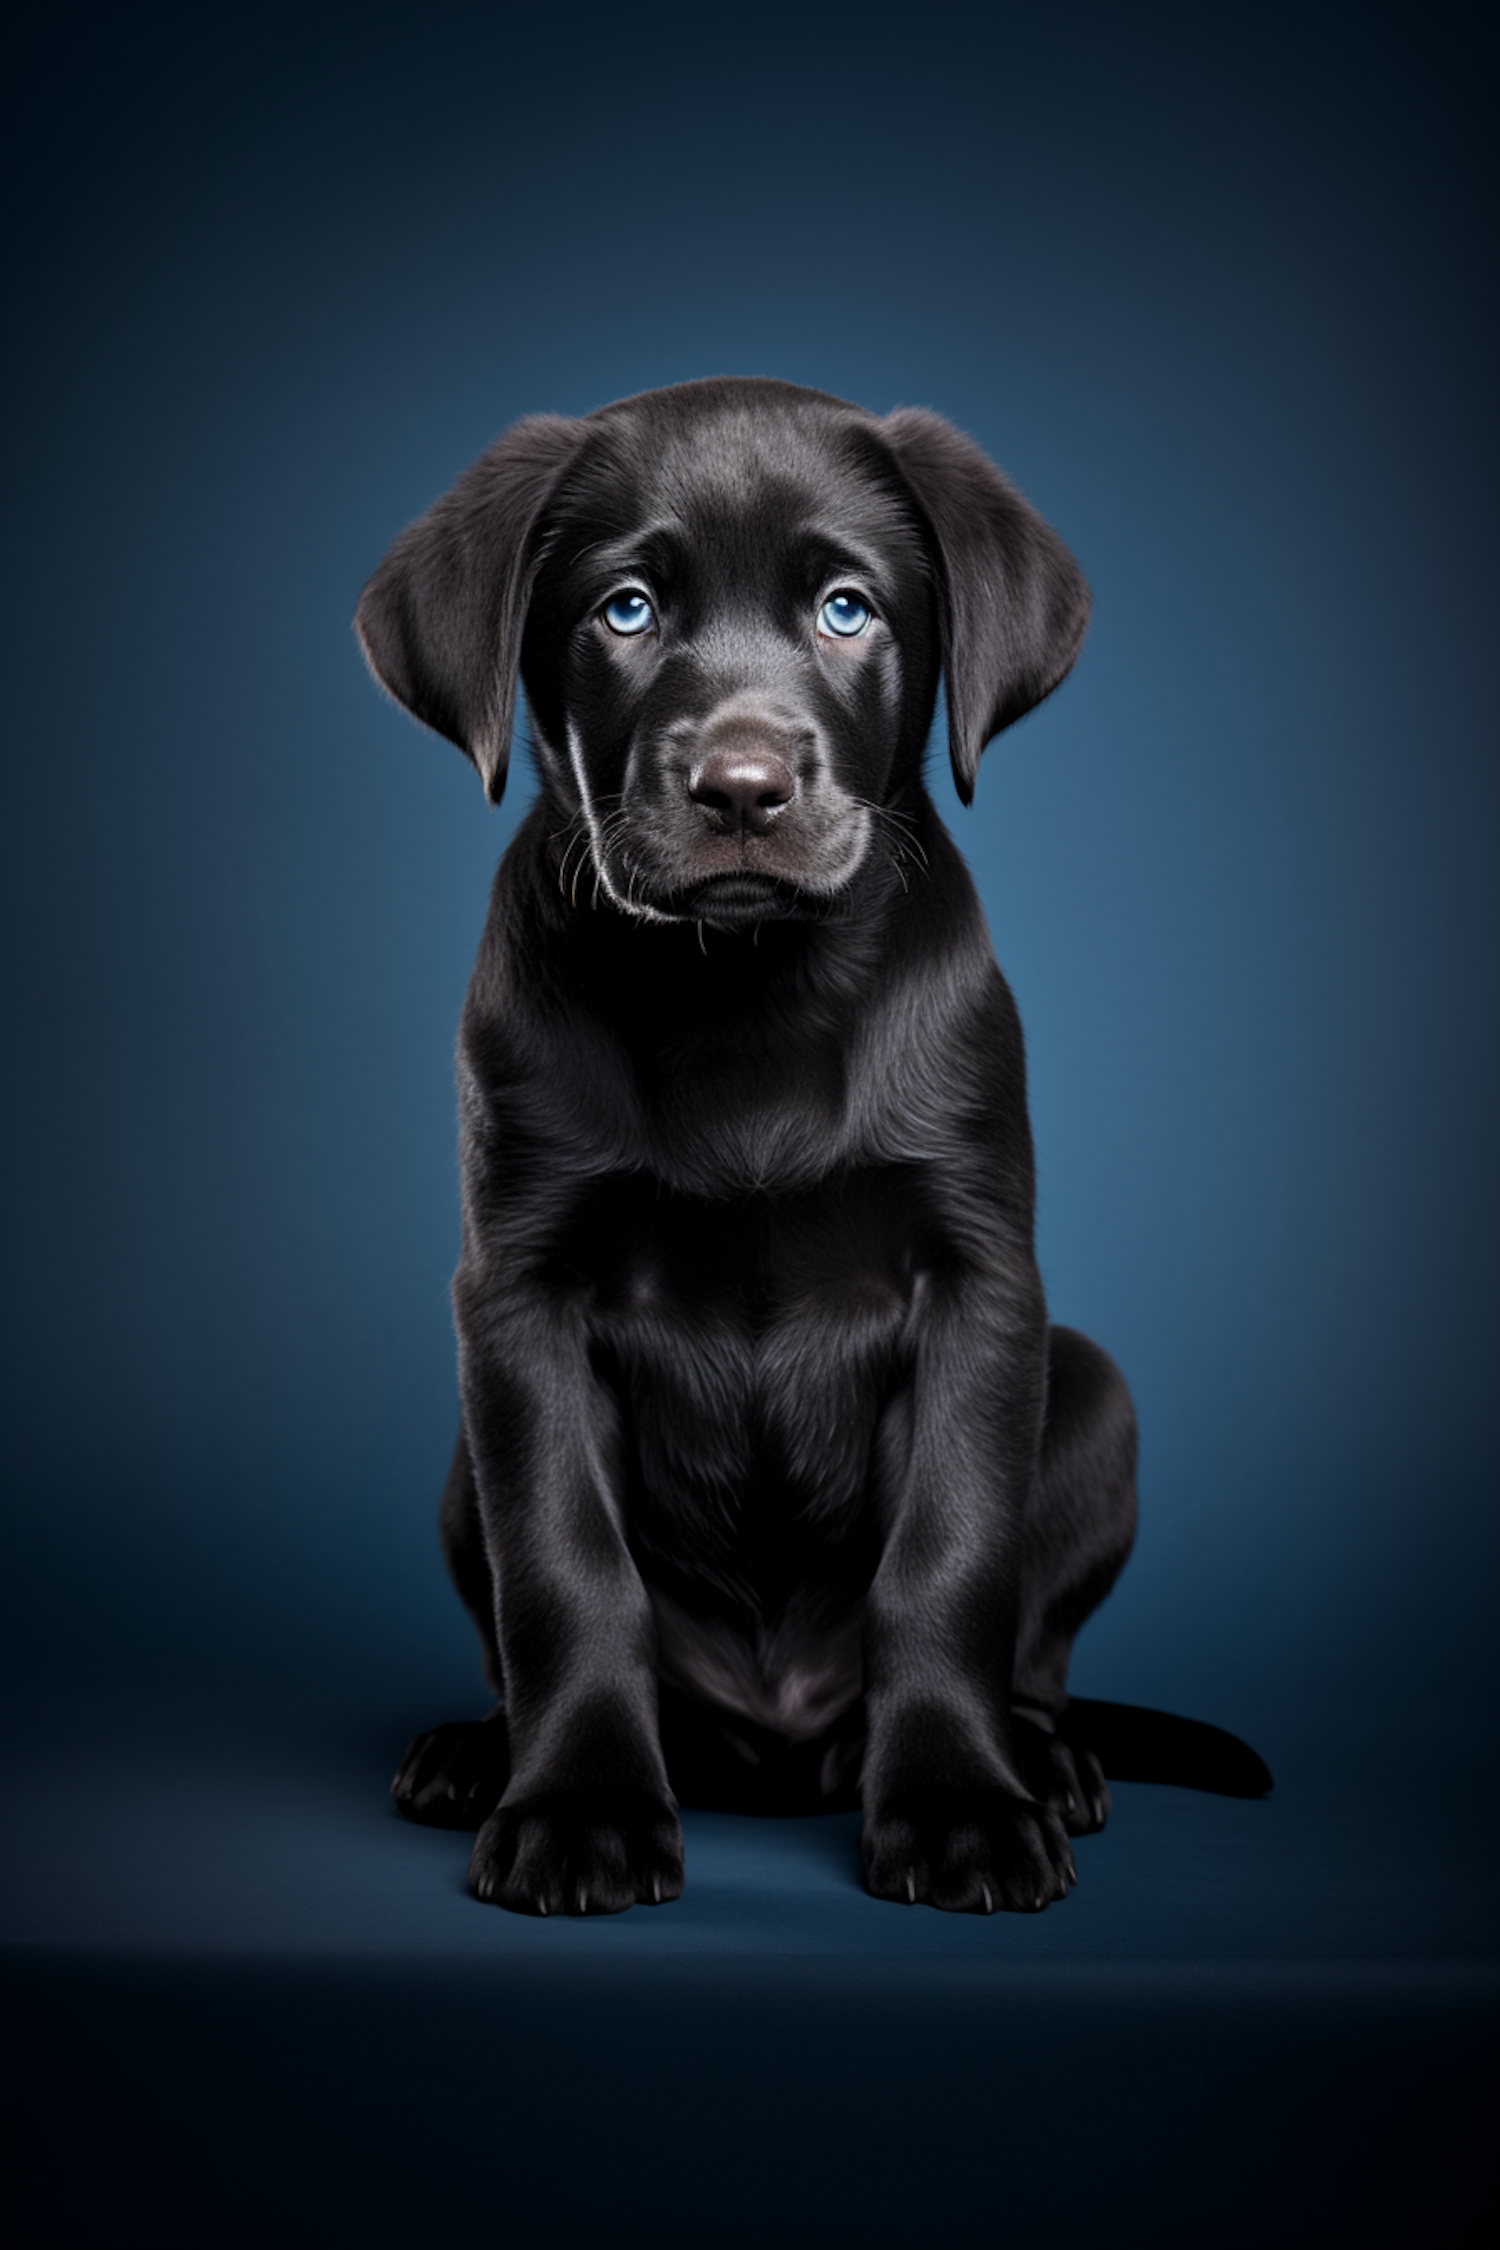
(1214, 288)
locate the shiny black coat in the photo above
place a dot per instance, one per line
(774, 1488)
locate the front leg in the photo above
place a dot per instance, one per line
(587, 1824)
(948, 1817)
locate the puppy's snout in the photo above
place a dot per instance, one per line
(742, 789)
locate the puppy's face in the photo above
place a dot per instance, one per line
(729, 602)
(730, 656)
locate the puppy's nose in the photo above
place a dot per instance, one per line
(742, 789)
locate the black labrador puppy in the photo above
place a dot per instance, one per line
(774, 1490)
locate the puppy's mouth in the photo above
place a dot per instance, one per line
(660, 866)
(733, 901)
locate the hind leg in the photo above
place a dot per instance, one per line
(1079, 1533)
(455, 1776)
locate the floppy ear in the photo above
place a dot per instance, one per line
(1013, 604)
(440, 622)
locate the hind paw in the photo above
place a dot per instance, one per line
(455, 1776)
(1065, 1777)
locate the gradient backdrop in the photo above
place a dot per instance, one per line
(1211, 290)
(1213, 287)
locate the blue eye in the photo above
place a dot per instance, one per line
(843, 615)
(629, 613)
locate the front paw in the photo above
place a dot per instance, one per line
(970, 1851)
(590, 1852)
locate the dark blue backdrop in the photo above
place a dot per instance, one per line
(1212, 286)
(1209, 288)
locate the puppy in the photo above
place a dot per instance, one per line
(774, 1490)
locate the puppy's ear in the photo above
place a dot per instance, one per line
(440, 622)
(1012, 601)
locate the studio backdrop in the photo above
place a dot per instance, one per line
(1206, 286)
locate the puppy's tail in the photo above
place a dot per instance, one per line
(1133, 1744)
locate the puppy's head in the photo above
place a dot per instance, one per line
(728, 603)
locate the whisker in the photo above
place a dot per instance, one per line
(900, 827)
(581, 839)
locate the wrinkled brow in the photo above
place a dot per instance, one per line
(644, 546)
(831, 548)
(822, 548)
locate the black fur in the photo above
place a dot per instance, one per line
(775, 1490)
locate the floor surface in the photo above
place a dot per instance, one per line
(255, 2005)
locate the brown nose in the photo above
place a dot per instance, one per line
(742, 789)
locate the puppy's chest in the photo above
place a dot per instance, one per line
(756, 1264)
(751, 1341)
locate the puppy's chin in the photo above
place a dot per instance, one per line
(741, 901)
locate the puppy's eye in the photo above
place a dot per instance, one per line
(843, 615)
(629, 613)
